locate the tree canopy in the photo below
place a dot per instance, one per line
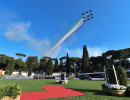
(20, 65)
(32, 63)
(49, 69)
(67, 65)
(85, 60)
(20, 55)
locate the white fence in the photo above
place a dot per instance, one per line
(16, 74)
(22, 75)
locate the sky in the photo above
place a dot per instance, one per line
(33, 27)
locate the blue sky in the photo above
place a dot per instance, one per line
(32, 27)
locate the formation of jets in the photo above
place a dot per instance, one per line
(87, 15)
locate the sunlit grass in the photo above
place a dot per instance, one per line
(92, 88)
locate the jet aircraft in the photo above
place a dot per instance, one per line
(87, 15)
(83, 13)
(91, 14)
(91, 17)
(90, 10)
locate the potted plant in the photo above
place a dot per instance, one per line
(117, 90)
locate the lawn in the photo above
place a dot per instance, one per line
(93, 88)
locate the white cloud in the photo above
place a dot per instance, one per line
(79, 52)
(21, 31)
(74, 52)
(96, 51)
(18, 31)
(14, 29)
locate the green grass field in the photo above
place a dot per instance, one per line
(93, 88)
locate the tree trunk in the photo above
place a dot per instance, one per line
(120, 63)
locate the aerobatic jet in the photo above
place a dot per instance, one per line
(86, 12)
(90, 10)
(83, 13)
(87, 16)
(91, 14)
(91, 17)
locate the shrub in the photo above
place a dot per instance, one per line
(111, 75)
(62, 76)
(104, 85)
(10, 90)
(122, 76)
(72, 78)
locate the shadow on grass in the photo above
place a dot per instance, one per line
(51, 83)
(96, 92)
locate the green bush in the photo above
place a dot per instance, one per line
(111, 75)
(62, 76)
(72, 78)
(11, 90)
(128, 87)
(122, 76)
(104, 85)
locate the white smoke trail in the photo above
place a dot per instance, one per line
(66, 36)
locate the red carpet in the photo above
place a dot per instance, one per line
(51, 92)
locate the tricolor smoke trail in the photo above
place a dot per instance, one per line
(68, 34)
